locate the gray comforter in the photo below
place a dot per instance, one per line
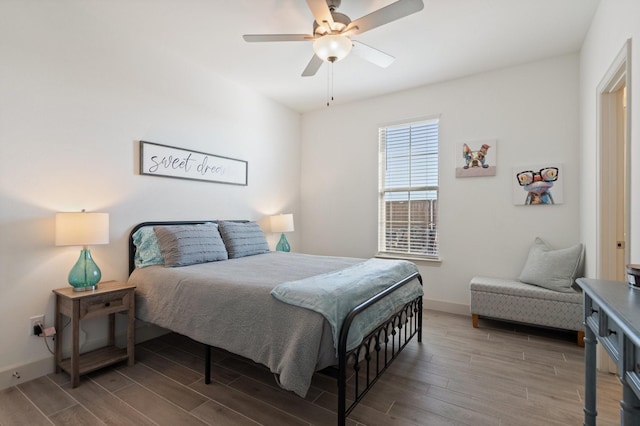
(228, 304)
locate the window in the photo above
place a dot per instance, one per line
(408, 206)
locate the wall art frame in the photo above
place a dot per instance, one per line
(181, 163)
(538, 184)
(476, 158)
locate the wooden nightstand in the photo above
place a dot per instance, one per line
(109, 298)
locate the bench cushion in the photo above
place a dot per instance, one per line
(517, 288)
(515, 301)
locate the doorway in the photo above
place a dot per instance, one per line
(613, 175)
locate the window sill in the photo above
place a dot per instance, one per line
(430, 260)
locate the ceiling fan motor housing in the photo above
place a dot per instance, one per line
(340, 22)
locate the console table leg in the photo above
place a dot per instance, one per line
(590, 412)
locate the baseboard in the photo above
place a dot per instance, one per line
(21, 373)
(449, 307)
(17, 374)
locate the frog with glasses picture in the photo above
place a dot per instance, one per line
(538, 184)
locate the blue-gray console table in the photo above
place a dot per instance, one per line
(612, 317)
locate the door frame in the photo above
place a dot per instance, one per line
(613, 132)
(608, 137)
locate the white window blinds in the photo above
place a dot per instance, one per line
(408, 206)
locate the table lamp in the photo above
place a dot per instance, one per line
(282, 223)
(83, 229)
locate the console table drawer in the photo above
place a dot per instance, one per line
(612, 338)
(592, 314)
(632, 375)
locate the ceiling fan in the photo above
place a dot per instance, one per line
(332, 31)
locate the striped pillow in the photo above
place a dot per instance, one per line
(183, 245)
(243, 238)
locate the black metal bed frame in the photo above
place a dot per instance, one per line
(377, 350)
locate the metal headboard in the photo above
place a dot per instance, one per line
(132, 247)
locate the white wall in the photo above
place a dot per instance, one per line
(74, 101)
(75, 98)
(532, 111)
(613, 24)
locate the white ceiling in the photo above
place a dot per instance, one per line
(447, 39)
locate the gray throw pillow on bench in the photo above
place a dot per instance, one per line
(552, 269)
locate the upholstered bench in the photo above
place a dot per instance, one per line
(512, 300)
(544, 294)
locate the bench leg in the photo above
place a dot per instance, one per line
(474, 320)
(580, 339)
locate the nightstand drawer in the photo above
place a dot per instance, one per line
(103, 304)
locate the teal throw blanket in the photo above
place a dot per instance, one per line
(334, 294)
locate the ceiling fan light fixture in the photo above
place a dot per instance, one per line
(332, 47)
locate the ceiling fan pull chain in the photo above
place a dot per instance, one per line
(330, 83)
(329, 77)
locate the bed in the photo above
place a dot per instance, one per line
(217, 283)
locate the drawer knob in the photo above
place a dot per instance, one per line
(613, 332)
(594, 311)
(107, 304)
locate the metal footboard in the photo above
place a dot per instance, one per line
(378, 349)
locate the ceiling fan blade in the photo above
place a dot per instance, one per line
(312, 67)
(371, 54)
(321, 12)
(252, 38)
(387, 14)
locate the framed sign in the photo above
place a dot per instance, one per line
(169, 161)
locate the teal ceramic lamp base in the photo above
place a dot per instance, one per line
(283, 244)
(85, 274)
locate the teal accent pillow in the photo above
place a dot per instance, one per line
(183, 245)
(552, 269)
(147, 248)
(243, 238)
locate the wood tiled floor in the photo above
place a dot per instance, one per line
(498, 374)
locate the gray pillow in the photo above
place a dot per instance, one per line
(183, 245)
(552, 269)
(243, 238)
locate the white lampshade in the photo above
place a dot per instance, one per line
(332, 47)
(82, 229)
(282, 223)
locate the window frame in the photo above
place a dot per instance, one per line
(430, 242)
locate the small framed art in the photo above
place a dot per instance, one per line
(476, 158)
(538, 184)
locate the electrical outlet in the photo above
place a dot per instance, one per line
(33, 321)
